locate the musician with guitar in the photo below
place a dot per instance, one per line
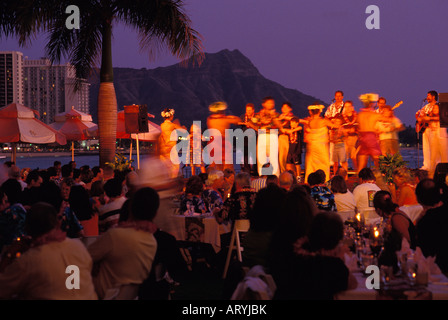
(388, 127)
(434, 138)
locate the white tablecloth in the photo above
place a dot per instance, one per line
(438, 285)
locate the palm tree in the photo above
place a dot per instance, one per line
(160, 24)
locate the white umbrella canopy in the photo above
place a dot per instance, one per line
(73, 124)
(18, 123)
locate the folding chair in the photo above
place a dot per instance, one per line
(241, 225)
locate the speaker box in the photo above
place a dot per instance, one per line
(136, 118)
(143, 118)
(443, 109)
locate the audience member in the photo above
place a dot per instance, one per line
(131, 183)
(125, 254)
(43, 271)
(14, 173)
(296, 214)
(432, 224)
(109, 213)
(69, 221)
(260, 182)
(344, 199)
(191, 199)
(321, 194)
(229, 179)
(82, 208)
(108, 173)
(240, 203)
(342, 172)
(97, 174)
(286, 180)
(317, 270)
(24, 173)
(86, 177)
(12, 214)
(365, 191)
(399, 221)
(212, 195)
(403, 188)
(272, 178)
(263, 218)
(32, 193)
(66, 171)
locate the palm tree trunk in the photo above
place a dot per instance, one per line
(107, 102)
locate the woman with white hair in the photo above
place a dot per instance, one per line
(212, 195)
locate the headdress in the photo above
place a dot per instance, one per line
(167, 113)
(368, 98)
(316, 106)
(217, 106)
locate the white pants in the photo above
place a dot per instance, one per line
(438, 148)
(283, 148)
(426, 150)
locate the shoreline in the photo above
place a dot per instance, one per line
(48, 154)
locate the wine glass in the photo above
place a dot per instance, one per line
(190, 209)
(376, 242)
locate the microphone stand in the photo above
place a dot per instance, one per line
(418, 139)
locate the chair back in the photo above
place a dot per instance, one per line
(240, 225)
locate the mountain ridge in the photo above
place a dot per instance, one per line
(223, 76)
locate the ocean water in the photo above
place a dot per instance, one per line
(413, 156)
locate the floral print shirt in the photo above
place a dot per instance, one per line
(189, 202)
(238, 205)
(12, 224)
(323, 197)
(212, 199)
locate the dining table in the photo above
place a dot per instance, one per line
(198, 227)
(397, 289)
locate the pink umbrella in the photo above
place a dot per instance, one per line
(19, 124)
(73, 124)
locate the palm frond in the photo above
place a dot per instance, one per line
(162, 25)
(26, 18)
(81, 47)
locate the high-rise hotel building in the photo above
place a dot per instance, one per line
(49, 89)
(37, 84)
(11, 77)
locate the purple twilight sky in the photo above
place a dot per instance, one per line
(316, 46)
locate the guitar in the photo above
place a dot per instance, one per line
(397, 105)
(421, 125)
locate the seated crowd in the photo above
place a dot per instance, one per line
(296, 229)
